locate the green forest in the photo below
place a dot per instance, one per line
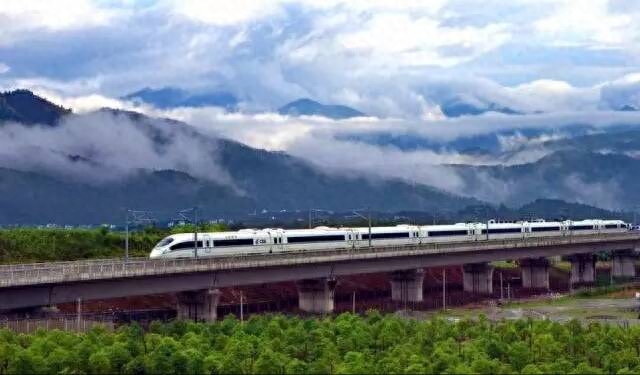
(345, 344)
(23, 245)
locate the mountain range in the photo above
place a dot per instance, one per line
(308, 107)
(171, 97)
(457, 107)
(260, 180)
(589, 167)
(28, 109)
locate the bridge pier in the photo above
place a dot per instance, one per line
(477, 278)
(535, 273)
(198, 305)
(406, 285)
(583, 269)
(316, 295)
(623, 264)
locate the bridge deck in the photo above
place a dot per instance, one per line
(88, 270)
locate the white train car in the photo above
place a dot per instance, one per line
(319, 238)
(448, 233)
(183, 245)
(613, 226)
(252, 241)
(543, 228)
(492, 230)
(388, 236)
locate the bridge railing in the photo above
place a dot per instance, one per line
(43, 273)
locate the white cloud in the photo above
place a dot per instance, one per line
(586, 23)
(386, 58)
(4, 68)
(18, 16)
(403, 40)
(621, 92)
(102, 147)
(225, 13)
(551, 96)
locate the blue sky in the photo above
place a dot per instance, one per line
(388, 58)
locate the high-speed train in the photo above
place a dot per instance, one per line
(250, 241)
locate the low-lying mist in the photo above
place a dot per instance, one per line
(104, 146)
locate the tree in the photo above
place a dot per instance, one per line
(238, 358)
(584, 368)
(195, 361)
(213, 364)
(59, 360)
(134, 367)
(161, 360)
(518, 355)
(355, 363)
(7, 354)
(26, 362)
(119, 356)
(295, 366)
(269, 363)
(531, 369)
(99, 363)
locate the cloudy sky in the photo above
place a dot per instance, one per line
(388, 58)
(557, 63)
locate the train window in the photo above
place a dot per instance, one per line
(581, 227)
(320, 238)
(442, 233)
(545, 229)
(165, 242)
(380, 236)
(611, 226)
(185, 245)
(235, 242)
(502, 230)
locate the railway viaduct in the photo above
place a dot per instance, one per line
(197, 280)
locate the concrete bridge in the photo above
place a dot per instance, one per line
(197, 280)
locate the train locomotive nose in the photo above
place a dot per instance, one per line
(156, 253)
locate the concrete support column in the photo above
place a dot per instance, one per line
(535, 273)
(583, 269)
(478, 278)
(316, 295)
(198, 305)
(406, 285)
(623, 264)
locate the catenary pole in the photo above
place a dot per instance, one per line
(195, 232)
(126, 237)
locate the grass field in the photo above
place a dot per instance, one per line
(616, 304)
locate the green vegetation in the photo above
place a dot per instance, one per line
(22, 245)
(346, 344)
(504, 264)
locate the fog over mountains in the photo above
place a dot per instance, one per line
(57, 166)
(90, 167)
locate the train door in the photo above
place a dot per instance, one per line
(207, 244)
(277, 240)
(414, 232)
(352, 238)
(478, 231)
(269, 244)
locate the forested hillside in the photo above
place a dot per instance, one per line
(24, 245)
(346, 344)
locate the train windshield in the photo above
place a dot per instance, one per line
(165, 242)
